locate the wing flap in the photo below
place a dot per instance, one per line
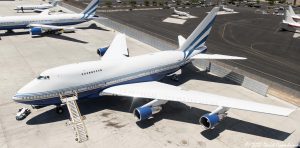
(161, 91)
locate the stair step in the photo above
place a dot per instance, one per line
(76, 118)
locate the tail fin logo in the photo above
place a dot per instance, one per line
(199, 36)
(90, 10)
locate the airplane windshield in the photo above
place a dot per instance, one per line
(43, 77)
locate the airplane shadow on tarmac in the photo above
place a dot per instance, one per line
(176, 111)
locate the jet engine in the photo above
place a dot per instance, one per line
(36, 31)
(101, 51)
(147, 110)
(210, 120)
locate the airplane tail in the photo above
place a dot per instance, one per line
(292, 12)
(90, 10)
(54, 3)
(288, 17)
(198, 37)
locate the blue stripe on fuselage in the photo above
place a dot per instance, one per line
(87, 94)
(25, 26)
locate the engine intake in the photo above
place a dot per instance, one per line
(101, 51)
(146, 112)
(210, 120)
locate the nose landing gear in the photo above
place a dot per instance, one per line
(59, 109)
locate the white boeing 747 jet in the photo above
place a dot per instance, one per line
(118, 74)
(37, 8)
(45, 23)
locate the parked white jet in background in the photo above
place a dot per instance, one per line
(37, 8)
(118, 74)
(223, 8)
(289, 24)
(180, 13)
(295, 16)
(45, 23)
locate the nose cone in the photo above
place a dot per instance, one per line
(25, 91)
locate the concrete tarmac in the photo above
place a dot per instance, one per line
(108, 119)
(272, 54)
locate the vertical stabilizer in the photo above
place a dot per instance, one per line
(90, 10)
(288, 17)
(200, 34)
(291, 10)
(54, 3)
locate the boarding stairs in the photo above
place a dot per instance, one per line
(76, 120)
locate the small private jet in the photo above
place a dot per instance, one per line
(121, 75)
(289, 24)
(46, 23)
(224, 8)
(295, 16)
(180, 13)
(37, 8)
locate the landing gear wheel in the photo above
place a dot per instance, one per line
(59, 110)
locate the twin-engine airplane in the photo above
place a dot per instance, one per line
(45, 23)
(118, 74)
(37, 8)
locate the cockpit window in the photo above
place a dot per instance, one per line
(43, 77)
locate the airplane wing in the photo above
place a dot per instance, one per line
(161, 91)
(52, 27)
(117, 49)
(217, 57)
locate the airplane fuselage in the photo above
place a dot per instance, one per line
(33, 7)
(90, 78)
(22, 22)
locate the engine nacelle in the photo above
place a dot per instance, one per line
(36, 31)
(210, 120)
(101, 51)
(146, 112)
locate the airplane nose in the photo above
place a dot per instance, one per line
(16, 98)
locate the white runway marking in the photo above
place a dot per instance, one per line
(174, 20)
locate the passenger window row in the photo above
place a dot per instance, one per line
(91, 72)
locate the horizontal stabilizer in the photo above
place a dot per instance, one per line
(217, 57)
(181, 40)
